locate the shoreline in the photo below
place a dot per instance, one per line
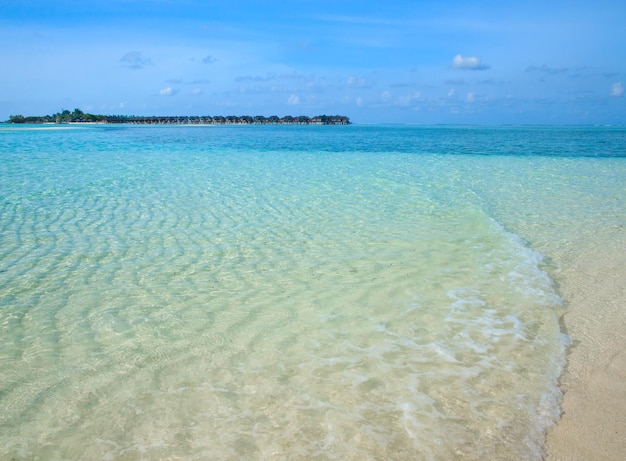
(593, 409)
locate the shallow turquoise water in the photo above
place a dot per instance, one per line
(362, 292)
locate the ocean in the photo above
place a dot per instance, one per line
(291, 292)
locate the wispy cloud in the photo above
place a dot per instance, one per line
(364, 20)
(293, 100)
(617, 89)
(209, 59)
(455, 81)
(546, 70)
(357, 82)
(490, 81)
(468, 63)
(135, 60)
(272, 76)
(255, 78)
(409, 99)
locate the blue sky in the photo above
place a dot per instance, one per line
(484, 62)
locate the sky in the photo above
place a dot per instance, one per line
(395, 61)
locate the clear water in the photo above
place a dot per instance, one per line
(362, 292)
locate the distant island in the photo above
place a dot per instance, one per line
(78, 116)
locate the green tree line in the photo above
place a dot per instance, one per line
(78, 116)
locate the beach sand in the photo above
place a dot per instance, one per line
(593, 422)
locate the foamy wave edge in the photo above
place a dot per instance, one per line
(548, 412)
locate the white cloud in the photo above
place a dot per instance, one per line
(167, 91)
(470, 97)
(357, 82)
(617, 89)
(293, 100)
(451, 92)
(196, 91)
(468, 63)
(409, 99)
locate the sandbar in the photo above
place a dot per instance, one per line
(593, 420)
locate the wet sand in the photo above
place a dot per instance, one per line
(593, 423)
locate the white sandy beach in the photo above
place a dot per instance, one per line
(593, 423)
